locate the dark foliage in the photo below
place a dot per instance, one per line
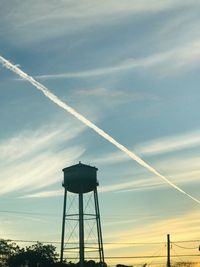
(37, 255)
(7, 250)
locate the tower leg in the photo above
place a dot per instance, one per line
(81, 231)
(99, 232)
(63, 227)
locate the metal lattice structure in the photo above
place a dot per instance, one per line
(80, 240)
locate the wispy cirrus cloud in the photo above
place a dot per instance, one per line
(109, 97)
(125, 65)
(47, 21)
(182, 227)
(147, 241)
(42, 170)
(142, 184)
(134, 184)
(162, 145)
(34, 159)
(45, 194)
(181, 169)
(164, 62)
(29, 142)
(189, 174)
(116, 94)
(101, 92)
(170, 143)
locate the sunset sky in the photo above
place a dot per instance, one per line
(132, 68)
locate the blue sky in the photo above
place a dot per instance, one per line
(133, 69)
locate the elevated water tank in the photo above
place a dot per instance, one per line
(80, 178)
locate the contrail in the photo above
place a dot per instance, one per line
(84, 120)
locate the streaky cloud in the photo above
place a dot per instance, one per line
(184, 227)
(45, 194)
(33, 159)
(166, 63)
(22, 20)
(91, 125)
(122, 66)
(170, 143)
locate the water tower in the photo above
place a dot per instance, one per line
(79, 181)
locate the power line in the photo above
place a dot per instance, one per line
(28, 213)
(106, 243)
(187, 241)
(183, 247)
(157, 253)
(30, 241)
(112, 257)
(176, 254)
(144, 257)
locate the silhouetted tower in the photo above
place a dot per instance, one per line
(81, 179)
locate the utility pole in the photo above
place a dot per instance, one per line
(168, 251)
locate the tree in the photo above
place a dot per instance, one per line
(7, 249)
(37, 255)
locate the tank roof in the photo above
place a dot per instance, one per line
(79, 165)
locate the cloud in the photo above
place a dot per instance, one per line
(111, 158)
(127, 64)
(155, 147)
(91, 125)
(47, 20)
(139, 184)
(109, 98)
(181, 227)
(142, 184)
(170, 144)
(34, 159)
(180, 175)
(45, 194)
(42, 170)
(182, 169)
(168, 62)
(29, 142)
(101, 92)
(116, 94)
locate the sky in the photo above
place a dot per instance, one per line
(130, 67)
